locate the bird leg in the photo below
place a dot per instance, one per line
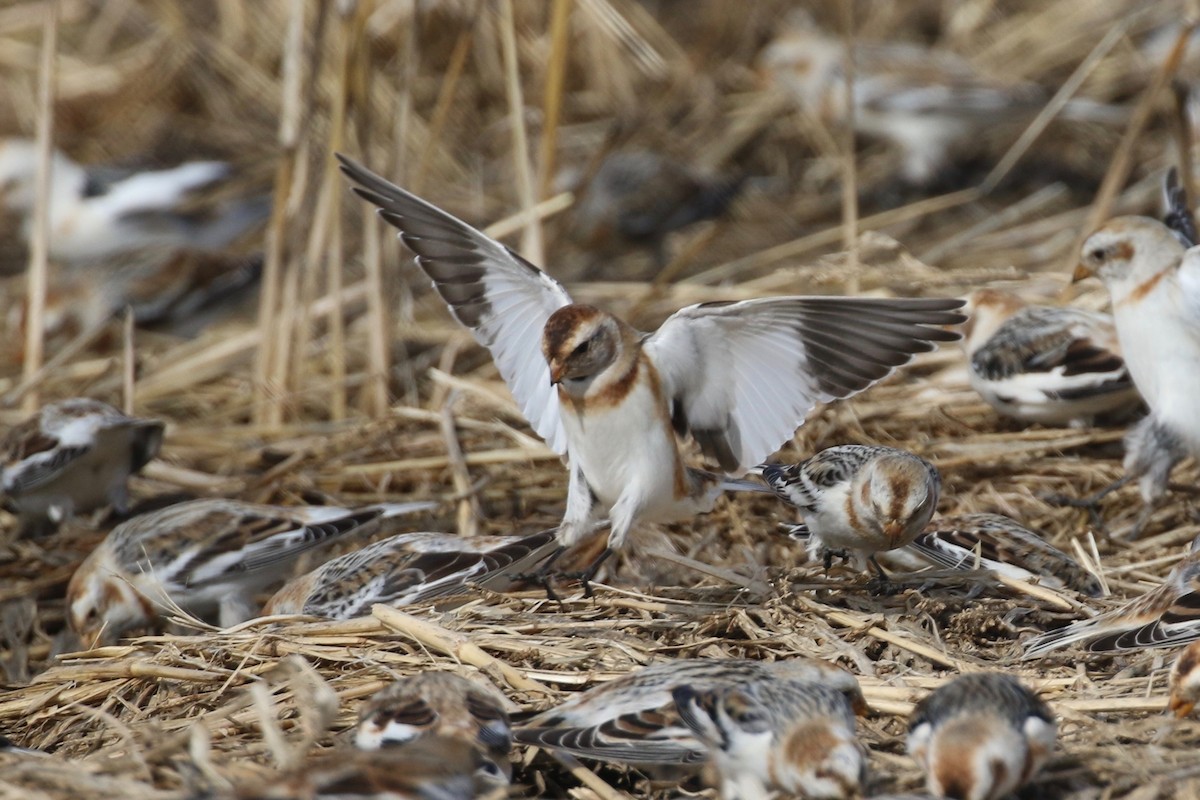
(1090, 502)
(585, 576)
(880, 583)
(541, 576)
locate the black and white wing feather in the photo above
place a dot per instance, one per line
(742, 376)
(502, 298)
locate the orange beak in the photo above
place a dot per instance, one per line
(556, 372)
(1180, 706)
(1081, 271)
(893, 531)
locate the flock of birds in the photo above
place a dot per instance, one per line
(735, 380)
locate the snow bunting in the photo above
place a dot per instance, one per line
(168, 289)
(72, 457)
(793, 736)
(439, 704)
(981, 736)
(97, 212)
(201, 555)
(1165, 616)
(433, 768)
(924, 101)
(859, 499)
(1155, 289)
(638, 197)
(633, 719)
(740, 377)
(409, 568)
(1185, 681)
(1047, 364)
(1004, 546)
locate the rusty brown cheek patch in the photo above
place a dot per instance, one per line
(1144, 288)
(615, 392)
(803, 743)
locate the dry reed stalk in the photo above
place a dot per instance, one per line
(454, 644)
(804, 244)
(350, 30)
(375, 391)
(128, 363)
(849, 152)
(1053, 107)
(441, 110)
(268, 404)
(39, 243)
(552, 98)
(78, 343)
(1183, 137)
(531, 236)
(1014, 213)
(468, 506)
(1122, 158)
(188, 369)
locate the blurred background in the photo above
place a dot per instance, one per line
(694, 144)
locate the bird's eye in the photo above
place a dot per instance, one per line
(1099, 254)
(583, 348)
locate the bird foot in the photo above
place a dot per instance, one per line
(543, 575)
(585, 576)
(1090, 502)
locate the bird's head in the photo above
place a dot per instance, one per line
(987, 310)
(1127, 251)
(972, 756)
(102, 604)
(900, 491)
(579, 342)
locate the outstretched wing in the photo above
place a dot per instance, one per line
(742, 376)
(501, 297)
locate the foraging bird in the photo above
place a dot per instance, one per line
(926, 102)
(410, 568)
(739, 377)
(1162, 617)
(794, 736)
(981, 736)
(98, 212)
(1185, 681)
(1155, 288)
(859, 500)
(432, 768)
(1003, 545)
(72, 457)
(633, 719)
(439, 704)
(202, 555)
(1046, 364)
(637, 197)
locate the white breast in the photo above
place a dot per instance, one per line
(628, 448)
(1162, 350)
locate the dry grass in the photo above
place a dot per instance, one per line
(342, 386)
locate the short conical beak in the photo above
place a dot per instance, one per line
(893, 531)
(1081, 271)
(556, 373)
(1180, 707)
